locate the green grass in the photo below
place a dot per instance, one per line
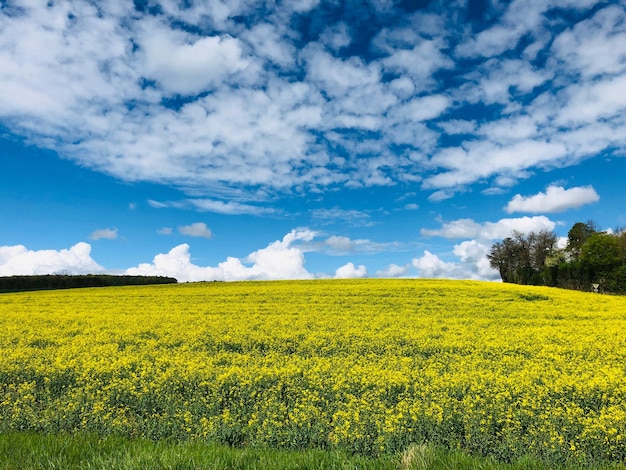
(26, 451)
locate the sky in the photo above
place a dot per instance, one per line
(243, 139)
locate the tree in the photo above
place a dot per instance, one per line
(522, 258)
(591, 256)
(600, 255)
(502, 258)
(620, 234)
(577, 236)
(542, 246)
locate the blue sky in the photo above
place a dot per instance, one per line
(240, 139)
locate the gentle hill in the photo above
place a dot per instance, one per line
(367, 366)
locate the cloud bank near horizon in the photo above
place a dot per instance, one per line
(286, 258)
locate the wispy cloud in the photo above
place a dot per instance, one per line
(216, 206)
(106, 233)
(342, 245)
(344, 216)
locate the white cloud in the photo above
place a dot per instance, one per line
(197, 229)
(440, 195)
(418, 62)
(502, 81)
(165, 231)
(234, 208)
(340, 244)
(469, 229)
(482, 159)
(458, 126)
(184, 64)
(519, 18)
(268, 43)
(281, 259)
(216, 206)
(20, 261)
(431, 266)
(473, 256)
(393, 270)
(555, 199)
(595, 46)
(350, 271)
(106, 233)
(343, 216)
(590, 102)
(421, 109)
(196, 99)
(472, 263)
(336, 37)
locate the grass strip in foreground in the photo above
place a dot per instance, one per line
(88, 451)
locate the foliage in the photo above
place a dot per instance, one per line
(359, 366)
(601, 254)
(577, 236)
(62, 281)
(590, 257)
(521, 259)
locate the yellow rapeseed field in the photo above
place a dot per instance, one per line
(365, 365)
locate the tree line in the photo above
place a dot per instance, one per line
(591, 260)
(62, 281)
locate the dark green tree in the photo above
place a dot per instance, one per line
(600, 256)
(502, 257)
(590, 257)
(521, 258)
(577, 236)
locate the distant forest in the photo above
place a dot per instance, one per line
(592, 260)
(63, 281)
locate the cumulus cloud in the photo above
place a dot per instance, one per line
(393, 270)
(431, 266)
(106, 233)
(468, 259)
(349, 270)
(19, 261)
(197, 229)
(282, 259)
(471, 263)
(469, 229)
(555, 199)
